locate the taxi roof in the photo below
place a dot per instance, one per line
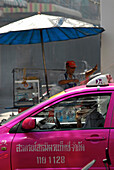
(100, 82)
(110, 86)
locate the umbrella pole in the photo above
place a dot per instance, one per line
(45, 70)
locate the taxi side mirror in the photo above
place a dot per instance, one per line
(29, 123)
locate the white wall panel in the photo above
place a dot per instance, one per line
(107, 47)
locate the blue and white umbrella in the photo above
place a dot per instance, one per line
(46, 28)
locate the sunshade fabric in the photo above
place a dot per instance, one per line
(49, 35)
(54, 28)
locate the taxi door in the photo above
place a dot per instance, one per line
(61, 148)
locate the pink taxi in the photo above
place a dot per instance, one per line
(70, 131)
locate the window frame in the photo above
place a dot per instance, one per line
(62, 99)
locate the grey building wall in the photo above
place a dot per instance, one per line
(107, 48)
(56, 53)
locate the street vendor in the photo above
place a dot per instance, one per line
(68, 79)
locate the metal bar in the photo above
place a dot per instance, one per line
(43, 55)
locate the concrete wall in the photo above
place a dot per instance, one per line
(56, 54)
(107, 46)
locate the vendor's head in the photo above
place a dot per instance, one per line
(70, 67)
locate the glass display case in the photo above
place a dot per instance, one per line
(26, 87)
(26, 92)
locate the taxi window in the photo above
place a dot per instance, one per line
(87, 111)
